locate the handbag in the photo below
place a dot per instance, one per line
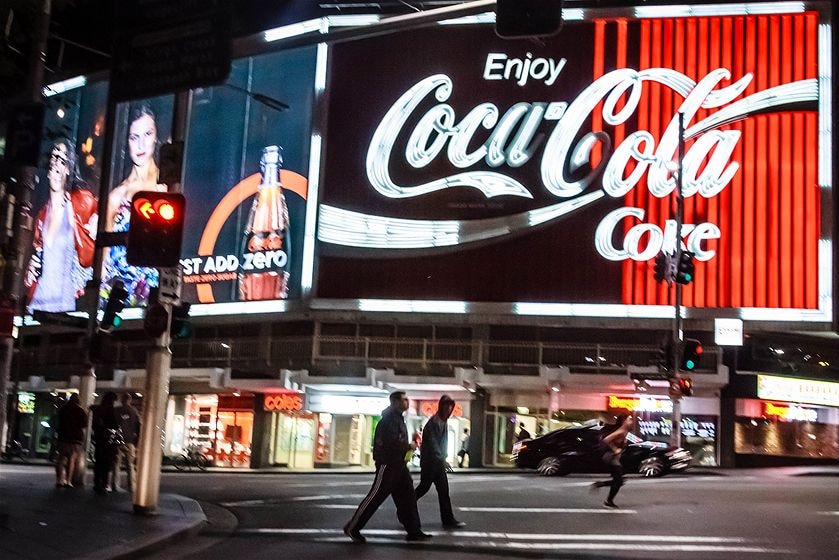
(115, 437)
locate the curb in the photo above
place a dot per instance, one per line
(195, 519)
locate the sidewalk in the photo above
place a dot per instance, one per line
(39, 521)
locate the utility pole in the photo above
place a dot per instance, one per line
(87, 383)
(677, 335)
(159, 362)
(19, 204)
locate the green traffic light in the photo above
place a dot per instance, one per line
(688, 277)
(690, 364)
(117, 321)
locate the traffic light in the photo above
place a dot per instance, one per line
(115, 304)
(156, 320)
(181, 324)
(686, 272)
(156, 229)
(692, 349)
(665, 354)
(685, 386)
(660, 267)
(527, 18)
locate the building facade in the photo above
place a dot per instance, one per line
(480, 218)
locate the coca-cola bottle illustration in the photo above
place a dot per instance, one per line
(265, 251)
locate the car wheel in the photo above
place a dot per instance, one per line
(651, 467)
(550, 466)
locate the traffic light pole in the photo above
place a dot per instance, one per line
(158, 368)
(676, 428)
(87, 383)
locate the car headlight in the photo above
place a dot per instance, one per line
(679, 455)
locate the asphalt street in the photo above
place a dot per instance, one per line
(743, 514)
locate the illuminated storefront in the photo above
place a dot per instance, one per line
(653, 422)
(652, 413)
(344, 420)
(292, 432)
(219, 426)
(791, 419)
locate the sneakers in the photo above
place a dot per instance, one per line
(417, 537)
(610, 505)
(354, 535)
(454, 525)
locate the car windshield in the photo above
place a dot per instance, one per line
(632, 438)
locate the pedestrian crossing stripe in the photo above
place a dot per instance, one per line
(505, 536)
(551, 541)
(511, 509)
(545, 510)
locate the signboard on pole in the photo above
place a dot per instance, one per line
(171, 282)
(170, 46)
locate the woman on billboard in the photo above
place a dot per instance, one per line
(142, 146)
(65, 234)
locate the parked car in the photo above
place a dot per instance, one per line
(578, 449)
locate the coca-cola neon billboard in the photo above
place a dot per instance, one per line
(579, 139)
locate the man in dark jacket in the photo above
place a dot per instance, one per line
(70, 432)
(107, 437)
(433, 455)
(390, 449)
(129, 423)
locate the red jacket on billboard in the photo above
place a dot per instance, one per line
(83, 206)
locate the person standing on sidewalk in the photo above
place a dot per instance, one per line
(107, 437)
(614, 444)
(391, 450)
(72, 423)
(129, 423)
(435, 445)
(463, 454)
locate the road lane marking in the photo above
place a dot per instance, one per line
(581, 541)
(828, 513)
(507, 536)
(545, 510)
(625, 547)
(271, 502)
(511, 509)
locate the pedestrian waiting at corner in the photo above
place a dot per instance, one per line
(70, 436)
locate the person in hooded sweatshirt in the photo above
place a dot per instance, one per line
(433, 465)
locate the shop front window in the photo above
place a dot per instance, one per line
(293, 439)
(221, 427)
(503, 427)
(786, 430)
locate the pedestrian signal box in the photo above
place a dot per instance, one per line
(156, 229)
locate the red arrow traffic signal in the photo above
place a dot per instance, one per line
(156, 229)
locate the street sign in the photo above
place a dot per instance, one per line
(63, 319)
(177, 46)
(171, 283)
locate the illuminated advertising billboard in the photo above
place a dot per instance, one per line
(65, 201)
(461, 167)
(245, 168)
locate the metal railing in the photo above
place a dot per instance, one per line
(412, 353)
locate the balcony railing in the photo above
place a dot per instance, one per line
(414, 354)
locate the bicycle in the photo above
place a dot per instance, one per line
(14, 449)
(192, 458)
